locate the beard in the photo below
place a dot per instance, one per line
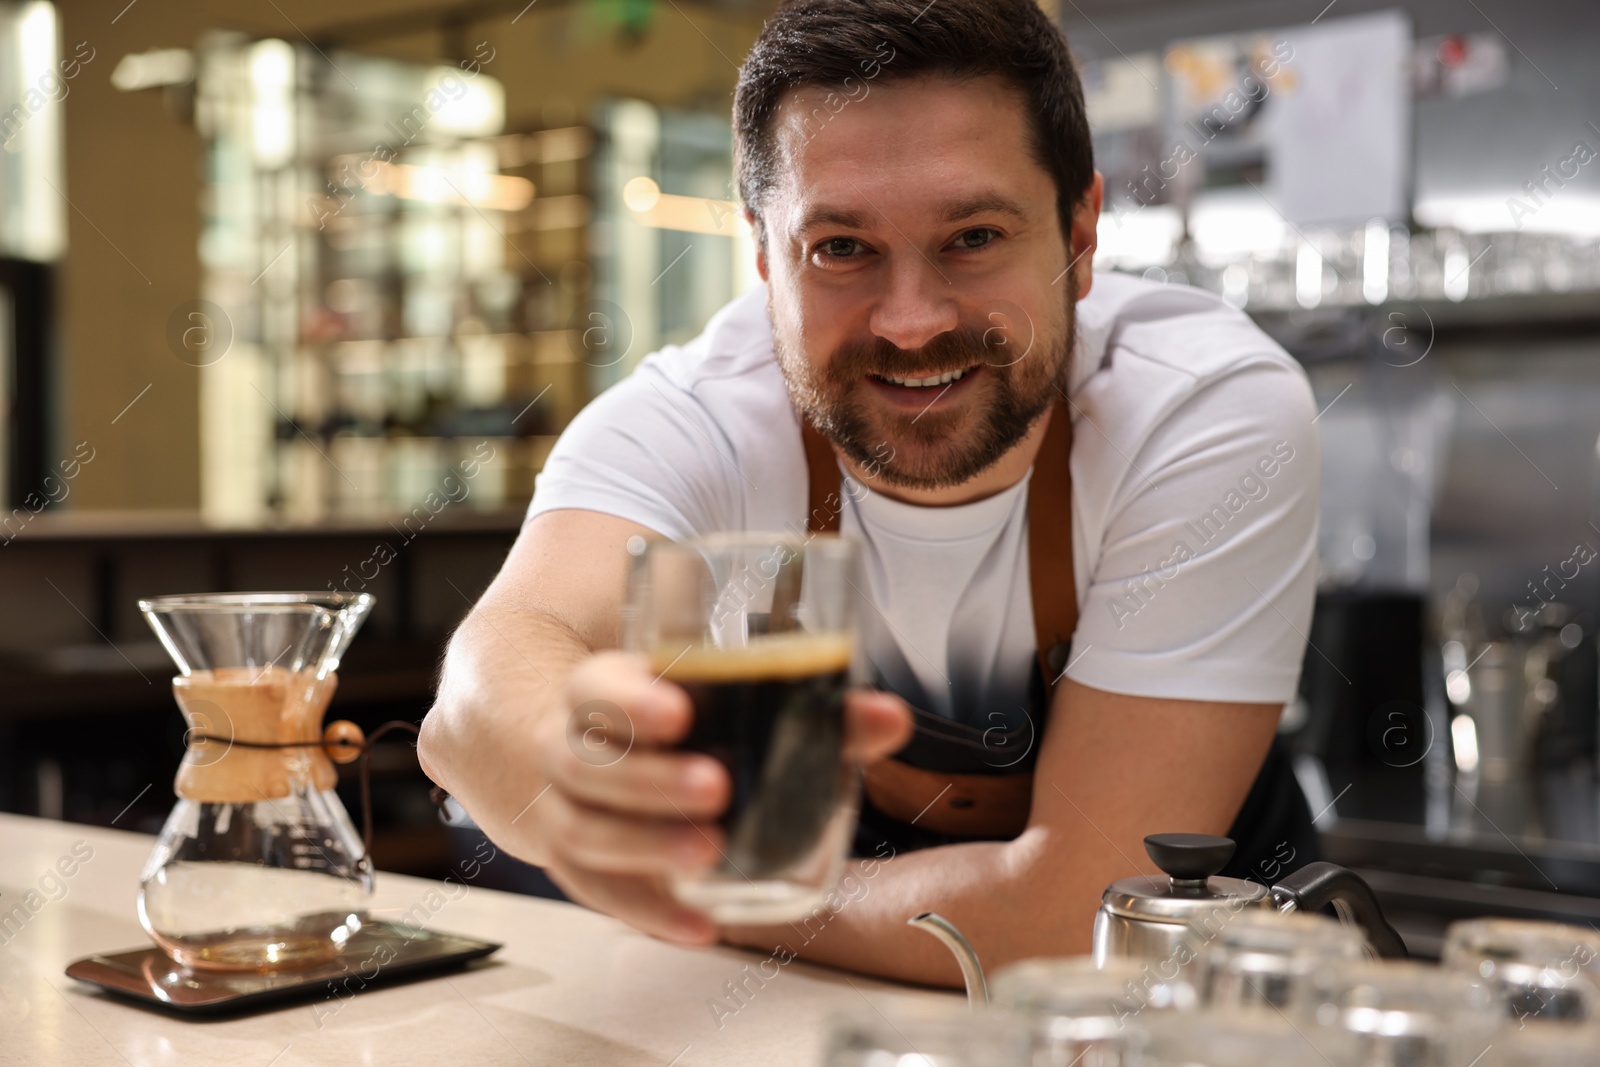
(939, 447)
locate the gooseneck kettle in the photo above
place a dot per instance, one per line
(1159, 917)
(1168, 918)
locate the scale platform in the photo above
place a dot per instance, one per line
(381, 952)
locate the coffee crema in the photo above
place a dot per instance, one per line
(792, 655)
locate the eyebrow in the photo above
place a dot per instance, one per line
(981, 204)
(816, 217)
(949, 211)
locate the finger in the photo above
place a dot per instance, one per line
(643, 781)
(644, 903)
(595, 839)
(616, 694)
(879, 724)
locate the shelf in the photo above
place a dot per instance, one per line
(1489, 861)
(1508, 310)
(376, 673)
(120, 526)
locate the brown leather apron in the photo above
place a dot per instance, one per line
(983, 798)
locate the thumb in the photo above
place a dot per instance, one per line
(879, 724)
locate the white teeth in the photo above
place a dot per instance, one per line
(923, 383)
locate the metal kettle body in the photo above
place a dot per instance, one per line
(1163, 919)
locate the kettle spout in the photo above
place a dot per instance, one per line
(961, 949)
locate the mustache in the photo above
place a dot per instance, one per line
(950, 351)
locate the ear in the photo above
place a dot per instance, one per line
(1085, 223)
(761, 242)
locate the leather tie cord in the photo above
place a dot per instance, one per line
(338, 750)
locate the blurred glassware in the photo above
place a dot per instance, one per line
(1557, 712)
(1267, 959)
(925, 1035)
(1075, 985)
(1407, 1014)
(1089, 1016)
(1495, 702)
(1462, 631)
(1546, 1046)
(1547, 972)
(1245, 1039)
(1373, 265)
(422, 291)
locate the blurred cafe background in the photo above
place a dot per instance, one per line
(297, 296)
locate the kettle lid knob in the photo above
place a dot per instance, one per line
(1189, 857)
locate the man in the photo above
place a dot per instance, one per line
(920, 182)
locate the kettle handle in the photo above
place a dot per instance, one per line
(1316, 885)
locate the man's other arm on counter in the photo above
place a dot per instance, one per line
(1111, 769)
(611, 814)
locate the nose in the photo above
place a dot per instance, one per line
(918, 304)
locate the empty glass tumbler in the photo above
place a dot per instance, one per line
(1080, 1015)
(926, 1036)
(1408, 1014)
(1548, 972)
(1546, 1046)
(1268, 959)
(1227, 1037)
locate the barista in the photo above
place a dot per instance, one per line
(1087, 505)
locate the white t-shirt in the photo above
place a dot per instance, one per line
(1194, 480)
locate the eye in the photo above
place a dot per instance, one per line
(977, 237)
(839, 247)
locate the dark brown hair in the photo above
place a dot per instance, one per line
(850, 45)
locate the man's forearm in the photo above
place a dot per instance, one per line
(503, 674)
(1008, 900)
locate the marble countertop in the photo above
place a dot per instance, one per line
(569, 987)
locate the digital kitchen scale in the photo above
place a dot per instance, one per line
(381, 952)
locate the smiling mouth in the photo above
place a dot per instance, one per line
(929, 382)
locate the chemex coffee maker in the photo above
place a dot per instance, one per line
(1167, 918)
(259, 884)
(258, 865)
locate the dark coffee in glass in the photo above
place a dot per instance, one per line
(760, 632)
(772, 713)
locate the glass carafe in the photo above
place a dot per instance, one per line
(258, 867)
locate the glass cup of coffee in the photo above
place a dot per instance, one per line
(760, 631)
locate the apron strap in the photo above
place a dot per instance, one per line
(825, 483)
(988, 804)
(1050, 570)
